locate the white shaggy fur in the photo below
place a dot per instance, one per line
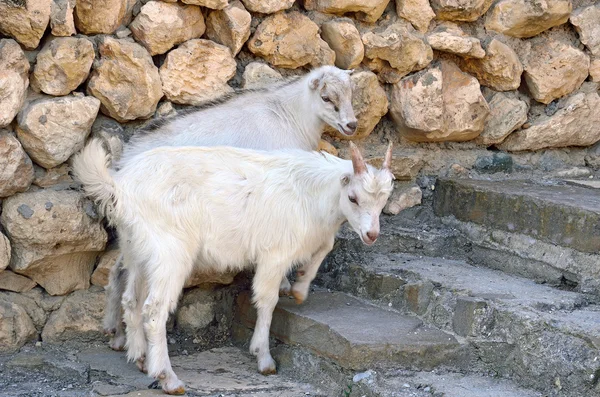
(291, 115)
(225, 208)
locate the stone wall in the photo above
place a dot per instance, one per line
(450, 82)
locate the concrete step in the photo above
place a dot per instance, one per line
(542, 337)
(551, 231)
(357, 335)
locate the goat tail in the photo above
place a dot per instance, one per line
(90, 167)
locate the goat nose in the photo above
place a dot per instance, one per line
(372, 235)
(352, 126)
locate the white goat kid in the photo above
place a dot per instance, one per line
(225, 208)
(291, 115)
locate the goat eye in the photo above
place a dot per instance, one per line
(336, 108)
(325, 99)
(353, 200)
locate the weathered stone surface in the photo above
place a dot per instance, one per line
(587, 23)
(196, 311)
(16, 169)
(258, 74)
(51, 130)
(78, 318)
(160, 26)
(14, 80)
(52, 177)
(125, 80)
(402, 200)
(203, 278)
(4, 252)
(405, 167)
(418, 12)
(460, 10)
(344, 39)
(554, 69)
(10, 281)
(55, 237)
(96, 17)
(500, 68)
(61, 18)
(25, 20)
(574, 124)
(448, 37)
(595, 70)
(287, 40)
(369, 102)
(16, 327)
(268, 6)
(396, 51)
(439, 104)
(367, 11)
(326, 324)
(105, 262)
(62, 65)
(327, 147)
(527, 18)
(506, 115)
(230, 26)
(197, 71)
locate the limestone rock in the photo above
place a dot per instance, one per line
(230, 26)
(595, 70)
(97, 17)
(440, 103)
(287, 40)
(587, 23)
(268, 6)
(196, 311)
(448, 37)
(16, 327)
(327, 147)
(14, 80)
(212, 4)
(418, 12)
(160, 26)
(369, 102)
(527, 18)
(16, 169)
(363, 10)
(574, 124)
(500, 68)
(402, 200)
(554, 69)
(106, 261)
(78, 318)
(405, 166)
(258, 74)
(324, 56)
(460, 10)
(343, 38)
(506, 115)
(398, 48)
(112, 134)
(55, 238)
(125, 80)
(52, 177)
(197, 71)
(25, 20)
(4, 252)
(10, 281)
(61, 18)
(51, 130)
(203, 278)
(62, 65)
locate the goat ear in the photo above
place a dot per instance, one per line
(358, 163)
(314, 82)
(387, 161)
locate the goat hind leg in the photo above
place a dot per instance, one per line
(133, 300)
(113, 318)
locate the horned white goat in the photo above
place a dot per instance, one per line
(225, 208)
(290, 115)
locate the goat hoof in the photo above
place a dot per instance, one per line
(267, 366)
(141, 364)
(173, 387)
(284, 291)
(176, 392)
(298, 297)
(109, 331)
(117, 343)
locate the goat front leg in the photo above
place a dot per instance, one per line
(307, 272)
(265, 286)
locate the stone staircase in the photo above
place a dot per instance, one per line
(488, 289)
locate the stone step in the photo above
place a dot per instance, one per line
(357, 335)
(542, 337)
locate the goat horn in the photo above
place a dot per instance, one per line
(387, 162)
(358, 163)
